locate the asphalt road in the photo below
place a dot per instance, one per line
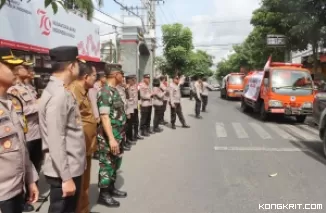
(222, 164)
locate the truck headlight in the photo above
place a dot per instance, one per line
(230, 90)
(307, 105)
(274, 103)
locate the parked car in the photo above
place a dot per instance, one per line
(185, 89)
(319, 116)
(214, 87)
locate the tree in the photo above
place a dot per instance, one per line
(199, 63)
(84, 6)
(177, 45)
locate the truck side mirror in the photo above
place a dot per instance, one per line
(265, 81)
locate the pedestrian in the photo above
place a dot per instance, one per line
(62, 132)
(164, 88)
(204, 95)
(28, 99)
(130, 109)
(17, 169)
(158, 96)
(92, 94)
(192, 88)
(123, 94)
(198, 92)
(135, 116)
(111, 137)
(80, 88)
(146, 106)
(175, 103)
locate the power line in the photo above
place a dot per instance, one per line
(210, 22)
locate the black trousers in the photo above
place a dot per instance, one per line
(13, 205)
(35, 154)
(158, 115)
(197, 106)
(164, 109)
(205, 101)
(145, 119)
(177, 110)
(135, 121)
(129, 130)
(59, 204)
(191, 95)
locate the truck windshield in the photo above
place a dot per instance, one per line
(291, 82)
(236, 79)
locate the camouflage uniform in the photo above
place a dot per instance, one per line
(109, 102)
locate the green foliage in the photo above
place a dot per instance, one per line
(199, 63)
(301, 21)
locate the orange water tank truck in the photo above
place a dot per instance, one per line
(282, 88)
(232, 85)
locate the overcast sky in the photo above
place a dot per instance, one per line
(216, 24)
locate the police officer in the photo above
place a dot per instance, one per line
(164, 88)
(123, 93)
(17, 169)
(62, 132)
(146, 106)
(198, 93)
(135, 116)
(28, 98)
(158, 96)
(131, 91)
(175, 103)
(112, 134)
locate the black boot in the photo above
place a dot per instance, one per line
(144, 133)
(157, 129)
(139, 137)
(126, 146)
(27, 207)
(131, 142)
(106, 199)
(173, 126)
(117, 193)
(150, 131)
(185, 126)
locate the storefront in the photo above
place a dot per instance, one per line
(31, 30)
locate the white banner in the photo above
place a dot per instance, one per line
(252, 88)
(31, 27)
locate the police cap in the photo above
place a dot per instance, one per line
(130, 76)
(65, 54)
(7, 57)
(146, 76)
(28, 64)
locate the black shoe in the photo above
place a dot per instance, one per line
(139, 137)
(117, 193)
(42, 199)
(144, 133)
(131, 142)
(173, 126)
(199, 117)
(185, 126)
(28, 207)
(158, 130)
(150, 131)
(126, 147)
(106, 199)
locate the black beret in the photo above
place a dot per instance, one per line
(131, 76)
(146, 75)
(100, 73)
(65, 54)
(7, 57)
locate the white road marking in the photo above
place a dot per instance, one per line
(262, 149)
(280, 132)
(220, 130)
(260, 131)
(302, 134)
(239, 130)
(309, 129)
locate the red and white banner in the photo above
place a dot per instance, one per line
(252, 89)
(31, 27)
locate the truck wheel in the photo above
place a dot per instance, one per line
(221, 94)
(244, 107)
(263, 115)
(226, 95)
(300, 118)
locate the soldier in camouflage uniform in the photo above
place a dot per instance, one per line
(111, 137)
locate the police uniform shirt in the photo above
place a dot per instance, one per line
(198, 89)
(205, 88)
(30, 109)
(175, 94)
(132, 99)
(122, 93)
(145, 95)
(135, 95)
(16, 167)
(62, 132)
(166, 92)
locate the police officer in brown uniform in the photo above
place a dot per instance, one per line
(17, 169)
(164, 88)
(135, 115)
(28, 99)
(80, 87)
(131, 91)
(146, 106)
(175, 103)
(62, 132)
